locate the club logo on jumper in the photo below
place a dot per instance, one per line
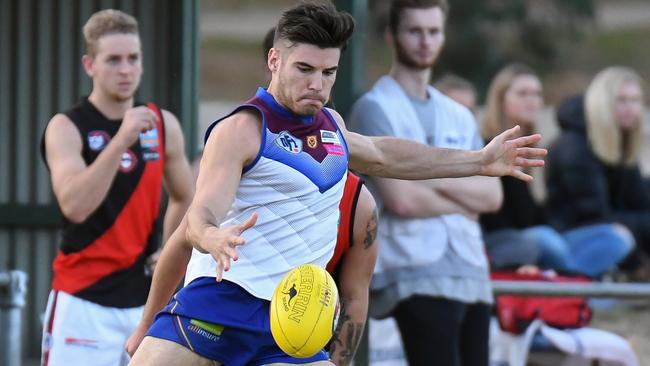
(97, 140)
(129, 160)
(329, 137)
(288, 142)
(312, 141)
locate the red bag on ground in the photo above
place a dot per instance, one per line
(516, 312)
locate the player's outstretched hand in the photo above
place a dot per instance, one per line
(506, 155)
(222, 243)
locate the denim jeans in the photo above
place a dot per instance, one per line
(591, 250)
(509, 248)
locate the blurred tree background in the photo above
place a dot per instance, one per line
(566, 41)
(498, 32)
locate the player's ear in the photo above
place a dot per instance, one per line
(87, 62)
(273, 59)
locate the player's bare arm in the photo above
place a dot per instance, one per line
(168, 275)
(233, 144)
(177, 180)
(80, 188)
(392, 157)
(178, 175)
(356, 272)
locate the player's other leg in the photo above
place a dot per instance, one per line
(161, 352)
(80, 332)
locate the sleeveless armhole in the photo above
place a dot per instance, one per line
(338, 128)
(355, 200)
(161, 124)
(43, 151)
(262, 140)
(345, 234)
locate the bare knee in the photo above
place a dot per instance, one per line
(161, 352)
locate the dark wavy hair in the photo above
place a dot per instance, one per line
(318, 24)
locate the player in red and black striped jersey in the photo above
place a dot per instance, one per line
(352, 266)
(108, 158)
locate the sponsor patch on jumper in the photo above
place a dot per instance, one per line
(149, 139)
(149, 155)
(206, 330)
(329, 137)
(334, 149)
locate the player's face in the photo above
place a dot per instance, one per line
(523, 100)
(629, 105)
(419, 37)
(306, 74)
(116, 67)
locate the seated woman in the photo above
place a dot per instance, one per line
(520, 233)
(593, 167)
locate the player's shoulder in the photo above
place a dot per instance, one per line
(246, 118)
(336, 115)
(61, 125)
(244, 124)
(171, 122)
(168, 116)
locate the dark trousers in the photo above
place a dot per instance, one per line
(442, 332)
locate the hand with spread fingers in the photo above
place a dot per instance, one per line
(222, 243)
(507, 155)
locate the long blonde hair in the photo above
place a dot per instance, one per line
(605, 136)
(495, 121)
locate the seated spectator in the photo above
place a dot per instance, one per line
(519, 233)
(593, 171)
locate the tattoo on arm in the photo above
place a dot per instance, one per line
(371, 229)
(346, 339)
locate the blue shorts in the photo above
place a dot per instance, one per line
(223, 322)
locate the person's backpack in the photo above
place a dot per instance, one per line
(516, 312)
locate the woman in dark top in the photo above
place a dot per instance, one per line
(519, 233)
(593, 167)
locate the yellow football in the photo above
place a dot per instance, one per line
(304, 311)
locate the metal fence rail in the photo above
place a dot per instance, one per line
(13, 288)
(595, 289)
